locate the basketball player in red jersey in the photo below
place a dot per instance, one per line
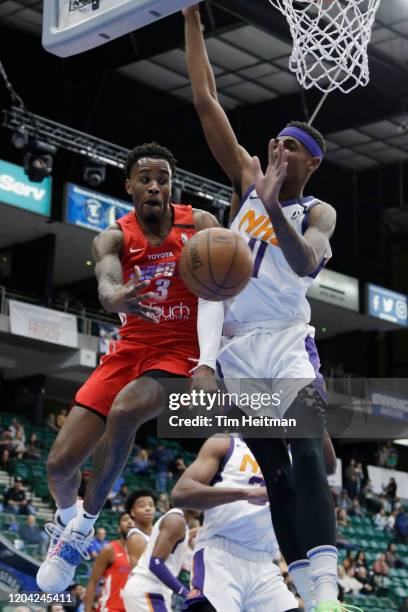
(137, 271)
(112, 564)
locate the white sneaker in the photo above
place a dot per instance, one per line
(57, 571)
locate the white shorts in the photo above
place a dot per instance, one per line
(136, 600)
(281, 361)
(233, 584)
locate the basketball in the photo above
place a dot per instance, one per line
(216, 264)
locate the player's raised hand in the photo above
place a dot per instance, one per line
(190, 10)
(131, 296)
(268, 185)
(257, 496)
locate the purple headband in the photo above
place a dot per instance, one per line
(306, 140)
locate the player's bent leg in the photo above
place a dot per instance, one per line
(316, 514)
(72, 446)
(273, 459)
(137, 403)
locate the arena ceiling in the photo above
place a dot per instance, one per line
(249, 46)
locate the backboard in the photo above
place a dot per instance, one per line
(74, 26)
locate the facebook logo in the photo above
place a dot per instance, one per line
(388, 305)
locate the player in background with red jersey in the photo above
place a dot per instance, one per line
(112, 564)
(137, 271)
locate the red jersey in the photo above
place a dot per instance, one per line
(177, 312)
(115, 578)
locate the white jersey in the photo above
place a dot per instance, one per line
(134, 530)
(146, 581)
(244, 524)
(274, 290)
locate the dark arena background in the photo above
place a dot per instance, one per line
(79, 115)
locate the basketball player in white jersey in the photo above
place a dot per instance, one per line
(233, 565)
(141, 507)
(266, 331)
(152, 582)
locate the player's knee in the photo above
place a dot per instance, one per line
(59, 467)
(307, 456)
(139, 402)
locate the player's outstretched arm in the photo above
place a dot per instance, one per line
(135, 546)
(113, 294)
(102, 562)
(172, 531)
(233, 159)
(210, 316)
(193, 489)
(305, 253)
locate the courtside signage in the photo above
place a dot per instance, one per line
(16, 189)
(92, 210)
(388, 305)
(335, 288)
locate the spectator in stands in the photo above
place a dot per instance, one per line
(344, 501)
(163, 504)
(380, 566)
(98, 542)
(33, 450)
(359, 474)
(141, 462)
(6, 439)
(381, 456)
(15, 499)
(391, 489)
(356, 509)
(78, 591)
(360, 560)
(341, 576)
(177, 469)
(350, 583)
(366, 581)
(367, 496)
(5, 459)
(385, 503)
(18, 447)
(390, 526)
(32, 534)
(404, 606)
(118, 502)
(392, 557)
(61, 416)
(51, 421)
(161, 457)
(342, 518)
(401, 526)
(380, 520)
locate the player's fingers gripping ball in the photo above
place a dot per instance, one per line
(216, 264)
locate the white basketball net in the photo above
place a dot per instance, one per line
(330, 39)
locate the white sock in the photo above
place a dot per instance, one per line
(323, 572)
(299, 571)
(67, 514)
(84, 522)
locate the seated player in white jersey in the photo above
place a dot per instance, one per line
(232, 565)
(155, 578)
(266, 331)
(141, 506)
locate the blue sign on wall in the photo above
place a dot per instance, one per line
(17, 189)
(92, 210)
(386, 304)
